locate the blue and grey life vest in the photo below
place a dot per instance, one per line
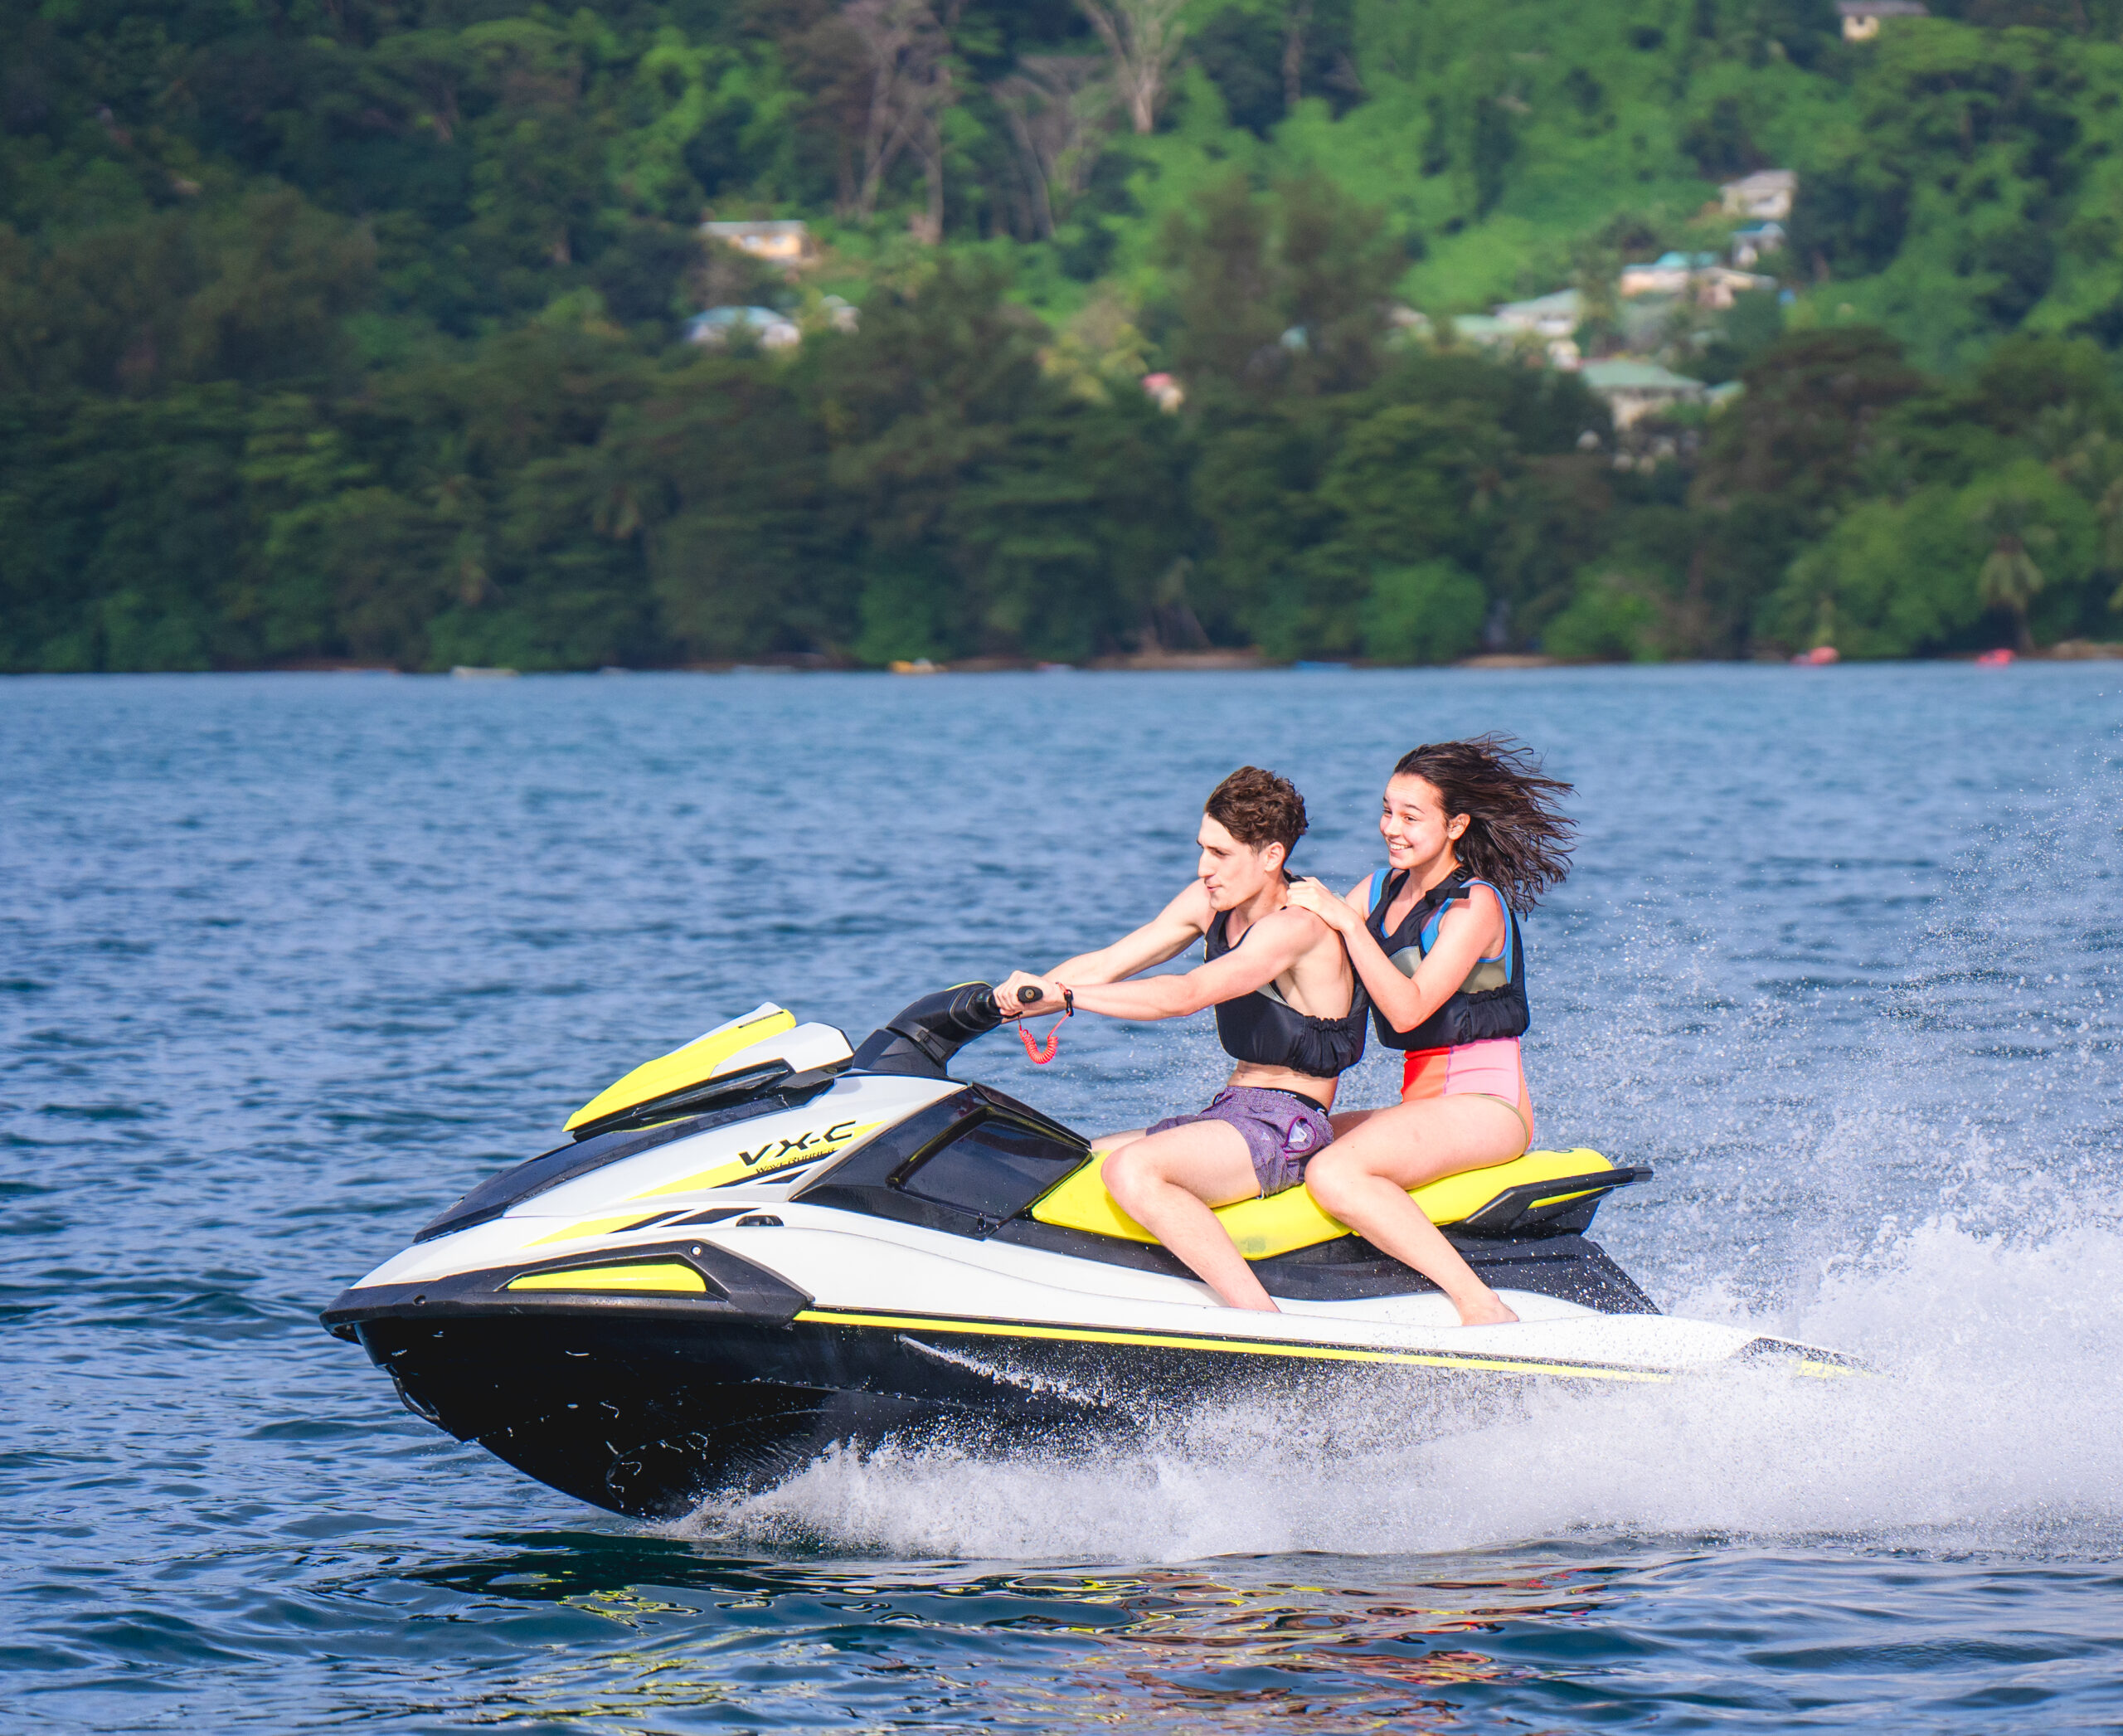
(1267, 1030)
(1490, 1003)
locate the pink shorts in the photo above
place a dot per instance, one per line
(1489, 1069)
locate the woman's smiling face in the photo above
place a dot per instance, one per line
(1414, 824)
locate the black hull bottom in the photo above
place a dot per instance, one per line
(648, 1417)
(647, 1414)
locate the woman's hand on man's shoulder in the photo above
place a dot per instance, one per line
(1317, 899)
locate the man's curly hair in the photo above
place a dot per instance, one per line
(1258, 807)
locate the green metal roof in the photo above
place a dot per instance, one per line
(1624, 375)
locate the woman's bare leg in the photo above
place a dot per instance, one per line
(1363, 1180)
(1167, 1182)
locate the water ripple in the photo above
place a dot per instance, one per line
(287, 962)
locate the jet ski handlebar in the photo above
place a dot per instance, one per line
(921, 1038)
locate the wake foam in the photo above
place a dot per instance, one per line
(1996, 1424)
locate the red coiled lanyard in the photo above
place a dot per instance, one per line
(1042, 1055)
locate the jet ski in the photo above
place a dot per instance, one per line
(765, 1242)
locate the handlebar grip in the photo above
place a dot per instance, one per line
(1030, 993)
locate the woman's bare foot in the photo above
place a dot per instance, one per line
(1486, 1309)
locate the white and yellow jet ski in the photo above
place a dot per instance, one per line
(764, 1243)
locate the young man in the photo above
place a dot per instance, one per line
(1288, 1011)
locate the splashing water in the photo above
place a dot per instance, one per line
(1951, 1215)
(1997, 1423)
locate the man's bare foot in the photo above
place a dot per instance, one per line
(1487, 1311)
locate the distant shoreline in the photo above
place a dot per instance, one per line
(1224, 663)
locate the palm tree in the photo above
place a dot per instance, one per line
(2009, 578)
(1142, 37)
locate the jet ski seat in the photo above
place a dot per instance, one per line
(1542, 1193)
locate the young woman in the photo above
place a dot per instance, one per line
(1473, 839)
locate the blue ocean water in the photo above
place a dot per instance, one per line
(286, 962)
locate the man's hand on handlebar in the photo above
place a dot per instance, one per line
(1010, 1000)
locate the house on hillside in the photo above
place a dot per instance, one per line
(718, 326)
(1748, 245)
(1861, 18)
(1533, 331)
(1670, 274)
(1766, 195)
(1545, 316)
(1633, 390)
(1484, 331)
(782, 241)
(1551, 321)
(1717, 287)
(1696, 275)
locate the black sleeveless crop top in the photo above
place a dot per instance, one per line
(1267, 1030)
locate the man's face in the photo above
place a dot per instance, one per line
(1231, 871)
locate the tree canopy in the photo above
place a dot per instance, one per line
(356, 330)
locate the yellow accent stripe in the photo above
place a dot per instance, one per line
(1558, 1199)
(699, 1060)
(1245, 1347)
(1827, 1371)
(663, 1278)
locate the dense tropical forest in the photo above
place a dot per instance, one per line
(357, 331)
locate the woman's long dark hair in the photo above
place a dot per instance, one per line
(1516, 838)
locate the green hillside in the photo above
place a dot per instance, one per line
(337, 331)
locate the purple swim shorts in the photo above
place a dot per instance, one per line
(1283, 1131)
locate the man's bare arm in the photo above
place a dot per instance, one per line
(1167, 935)
(1273, 945)
(1164, 936)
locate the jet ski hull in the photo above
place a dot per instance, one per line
(647, 1414)
(650, 1418)
(648, 1404)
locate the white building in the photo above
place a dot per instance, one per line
(1717, 287)
(1696, 275)
(781, 241)
(1765, 195)
(1545, 316)
(1670, 274)
(1861, 18)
